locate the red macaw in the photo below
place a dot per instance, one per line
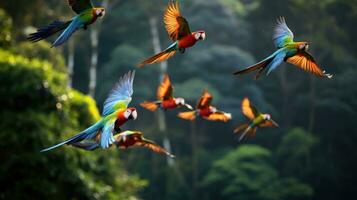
(165, 98)
(179, 31)
(125, 140)
(206, 110)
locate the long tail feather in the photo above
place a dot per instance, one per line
(164, 55)
(152, 106)
(86, 134)
(191, 115)
(89, 146)
(259, 66)
(244, 133)
(47, 31)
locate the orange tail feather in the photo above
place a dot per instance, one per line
(191, 115)
(157, 58)
(152, 106)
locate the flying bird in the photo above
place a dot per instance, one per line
(205, 110)
(165, 98)
(86, 15)
(115, 113)
(179, 31)
(257, 119)
(125, 140)
(288, 51)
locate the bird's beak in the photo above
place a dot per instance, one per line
(274, 123)
(134, 115)
(188, 106)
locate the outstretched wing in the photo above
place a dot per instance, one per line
(67, 33)
(282, 34)
(176, 25)
(205, 100)
(107, 138)
(120, 96)
(165, 90)
(306, 62)
(249, 110)
(153, 147)
(219, 116)
(79, 6)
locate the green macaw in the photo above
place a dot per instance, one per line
(257, 118)
(115, 114)
(86, 15)
(288, 51)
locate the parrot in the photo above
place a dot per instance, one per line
(165, 98)
(179, 31)
(295, 53)
(257, 118)
(86, 15)
(125, 140)
(205, 110)
(115, 113)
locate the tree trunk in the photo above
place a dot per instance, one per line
(94, 40)
(163, 69)
(70, 62)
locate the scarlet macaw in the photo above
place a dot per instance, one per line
(288, 51)
(165, 98)
(206, 110)
(125, 140)
(257, 118)
(179, 31)
(86, 15)
(115, 114)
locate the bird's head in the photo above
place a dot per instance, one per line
(130, 113)
(267, 117)
(304, 46)
(213, 109)
(100, 12)
(180, 101)
(199, 35)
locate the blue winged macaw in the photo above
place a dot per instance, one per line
(125, 140)
(115, 114)
(257, 118)
(86, 15)
(288, 51)
(179, 31)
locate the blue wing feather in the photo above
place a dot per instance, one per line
(278, 59)
(121, 92)
(72, 27)
(107, 137)
(282, 33)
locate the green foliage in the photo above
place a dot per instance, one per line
(248, 173)
(38, 111)
(5, 27)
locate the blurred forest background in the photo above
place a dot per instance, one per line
(48, 94)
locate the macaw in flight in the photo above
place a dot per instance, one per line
(179, 31)
(288, 51)
(165, 98)
(115, 113)
(257, 118)
(125, 140)
(206, 110)
(86, 15)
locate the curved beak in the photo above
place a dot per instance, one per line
(134, 115)
(274, 123)
(188, 106)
